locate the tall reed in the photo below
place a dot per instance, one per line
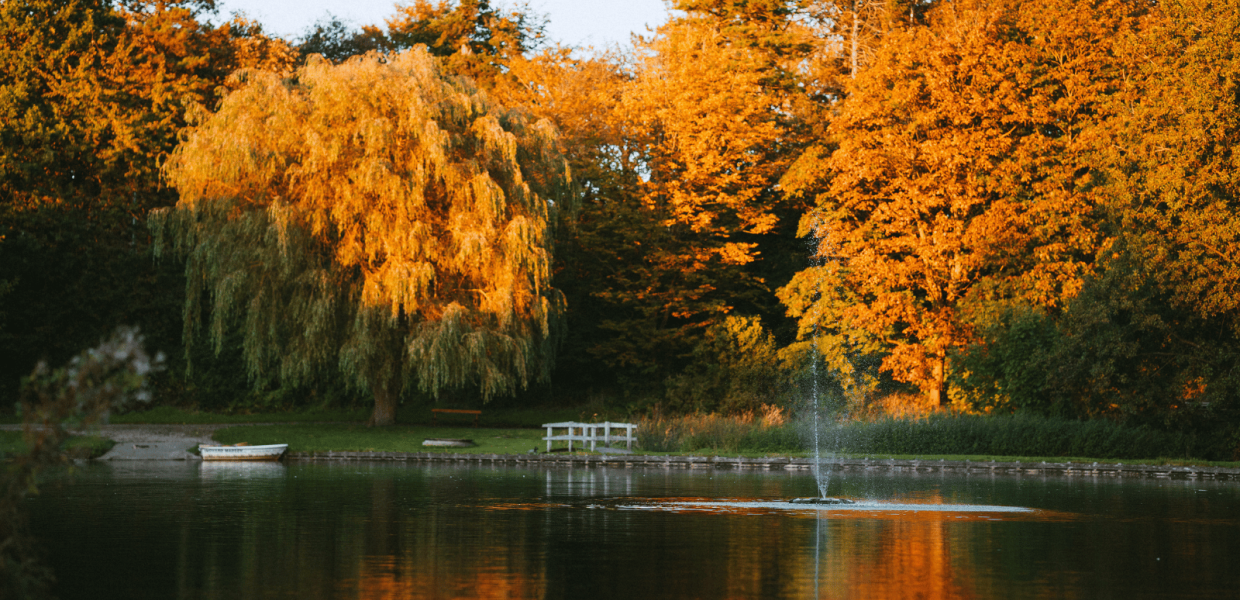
(769, 431)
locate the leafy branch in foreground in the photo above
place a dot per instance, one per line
(80, 395)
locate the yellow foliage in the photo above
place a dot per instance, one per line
(384, 186)
(713, 129)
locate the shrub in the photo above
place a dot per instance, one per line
(1017, 435)
(735, 369)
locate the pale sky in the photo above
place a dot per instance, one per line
(573, 22)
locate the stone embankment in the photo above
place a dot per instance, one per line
(172, 442)
(788, 464)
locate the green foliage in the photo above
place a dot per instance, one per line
(1019, 435)
(408, 414)
(180, 416)
(735, 369)
(1120, 349)
(92, 97)
(336, 41)
(75, 273)
(79, 446)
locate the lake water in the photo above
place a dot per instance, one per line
(390, 530)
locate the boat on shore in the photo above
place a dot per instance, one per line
(242, 452)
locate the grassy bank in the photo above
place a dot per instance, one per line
(1024, 439)
(515, 431)
(344, 437)
(350, 437)
(85, 446)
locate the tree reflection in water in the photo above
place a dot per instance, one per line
(371, 531)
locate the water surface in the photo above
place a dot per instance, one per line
(392, 530)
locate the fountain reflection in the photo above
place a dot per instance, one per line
(358, 530)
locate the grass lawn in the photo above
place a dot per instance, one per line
(356, 437)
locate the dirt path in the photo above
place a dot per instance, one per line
(152, 442)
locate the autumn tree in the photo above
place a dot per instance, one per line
(337, 41)
(858, 27)
(958, 174)
(711, 103)
(95, 94)
(92, 96)
(475, 38)
(707, 122)
(379, 216)
(1174, 167)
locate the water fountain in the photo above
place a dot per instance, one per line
(822, 477)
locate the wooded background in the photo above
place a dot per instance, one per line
(988, 206)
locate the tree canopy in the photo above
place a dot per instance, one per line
(379, 215)
(960, 175)
(1008, 206)
(93, 94)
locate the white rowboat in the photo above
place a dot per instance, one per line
(268, 452)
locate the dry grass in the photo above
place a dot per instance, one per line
(768, 429)
(904, 406)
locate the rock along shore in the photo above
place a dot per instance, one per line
(786, 464)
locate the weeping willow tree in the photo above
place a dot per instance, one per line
(378, 216)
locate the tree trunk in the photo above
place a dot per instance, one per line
(856, 30)
(385, 406)
(938, 390)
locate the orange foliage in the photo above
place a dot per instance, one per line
(713, 130)
(961, 176)
(1176, 128)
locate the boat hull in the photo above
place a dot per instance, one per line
(239, 453)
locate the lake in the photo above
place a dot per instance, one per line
(371, 530)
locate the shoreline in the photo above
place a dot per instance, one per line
(631, 461)
(171, 441)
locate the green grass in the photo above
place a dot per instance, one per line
(84, 446)
(341, 437)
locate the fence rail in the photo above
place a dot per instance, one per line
(591, 433)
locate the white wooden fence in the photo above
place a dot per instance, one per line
(592, 433)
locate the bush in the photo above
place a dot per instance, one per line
(1018, 435)
(735, 370)
(1026, 435)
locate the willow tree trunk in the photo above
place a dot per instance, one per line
(385, 405)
